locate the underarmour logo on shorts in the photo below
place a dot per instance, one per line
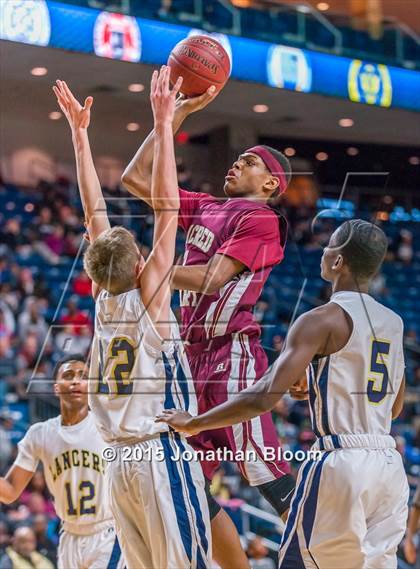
(220, 367)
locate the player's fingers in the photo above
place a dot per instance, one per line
(62, 91)
(209, 94)
(177, 85)
(165, 81)
(62, 103)
(153, 83)
(160, 80)
(88, 103)
(69, 94)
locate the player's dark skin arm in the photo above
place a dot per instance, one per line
(209, 278)
(399, 401)
(321, 331)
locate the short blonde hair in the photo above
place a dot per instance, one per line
(110, 261)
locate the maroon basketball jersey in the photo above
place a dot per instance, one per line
(240, 228)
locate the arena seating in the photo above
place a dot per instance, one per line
(27, 248)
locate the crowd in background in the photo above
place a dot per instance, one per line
(44, 314)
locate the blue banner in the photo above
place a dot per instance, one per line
(40, 22)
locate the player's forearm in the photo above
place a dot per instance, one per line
(209, 278)
(93, 202)
(165, 195)
(246, 405)
(196, 278)
(8, 494)
(413, 521)
(138, 174)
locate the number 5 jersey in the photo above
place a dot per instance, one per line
(134, 373)
(352, 391)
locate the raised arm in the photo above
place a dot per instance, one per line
(78, 117)
(137, 176)
(306, 338)
(14, 483)
(155, 276)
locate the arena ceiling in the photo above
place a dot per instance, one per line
(26, 102)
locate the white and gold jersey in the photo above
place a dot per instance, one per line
(134, 373)
(352, 391)
(74, 471)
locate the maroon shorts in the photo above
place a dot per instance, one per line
(221, 368)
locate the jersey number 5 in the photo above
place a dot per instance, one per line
(377, 386)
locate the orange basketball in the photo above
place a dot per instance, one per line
(202, 62)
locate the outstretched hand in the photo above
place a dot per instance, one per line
(178, 420)
(162, 97)
(78, 117)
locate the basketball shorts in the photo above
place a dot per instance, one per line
(221, 368)
(159, 505)
(349, 510)
(99, 550)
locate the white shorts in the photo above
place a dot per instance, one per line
(97, 551)
(159, 506)
(349, 511)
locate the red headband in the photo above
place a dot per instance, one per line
(272, 164)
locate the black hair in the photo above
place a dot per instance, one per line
(66, 359)
(363, 246)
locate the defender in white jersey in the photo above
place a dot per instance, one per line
(349, 509)
(158, 501)
(70, 450)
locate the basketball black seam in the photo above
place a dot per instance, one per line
(209, 50)
(194, 72)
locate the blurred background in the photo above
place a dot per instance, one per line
(334, 85)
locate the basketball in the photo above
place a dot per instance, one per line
(202, 62)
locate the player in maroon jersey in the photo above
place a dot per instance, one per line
(231, 247)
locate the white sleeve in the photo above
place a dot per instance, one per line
(152, 340)
(28, 449)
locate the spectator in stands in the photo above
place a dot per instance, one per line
(6, 447)
(8, 367)
(12, 235)
(258, 555)
(25, 282)
(4, 537)
(405, 246)
(184, 174)
(75, 316)
(7, 321)
(43, 223)
(68, 341)
(22, 553)
(378, 285)
(31, 321)
(56, 241)
(38, 486)
(410, 337)
(67, 217)
(45, 545)
(82, 285)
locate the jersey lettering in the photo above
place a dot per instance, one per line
(200, 237)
